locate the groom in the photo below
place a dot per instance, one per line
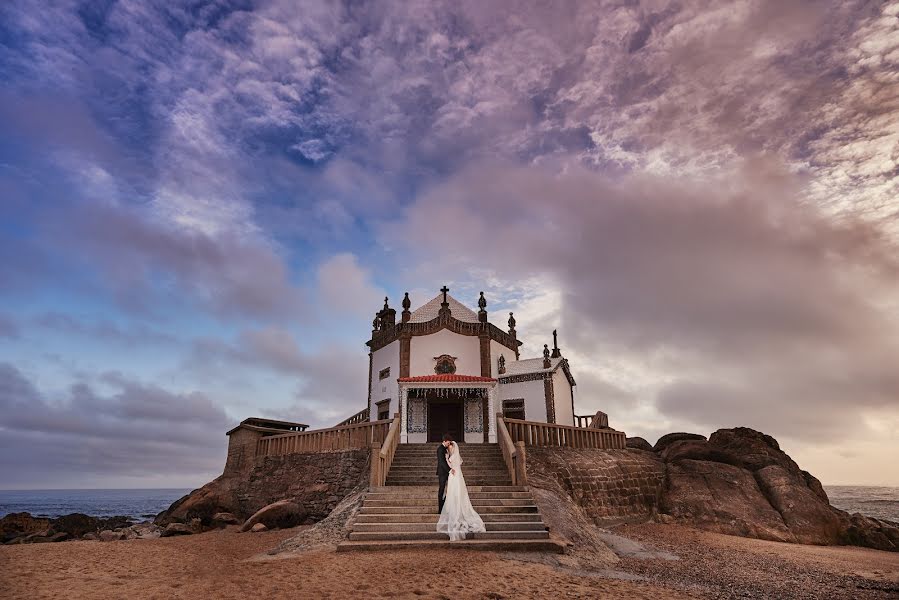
(443, 470)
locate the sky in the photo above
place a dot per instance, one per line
(203, 204)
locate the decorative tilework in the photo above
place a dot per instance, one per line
(417, 418)
(473, 416)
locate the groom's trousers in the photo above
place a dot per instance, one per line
(441, 491)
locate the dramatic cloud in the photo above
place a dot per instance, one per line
(82, 438)
(745, 305)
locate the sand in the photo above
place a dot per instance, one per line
(227, 564)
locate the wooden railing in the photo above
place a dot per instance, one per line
(360, 417)
(566, 436)
(583, 420)
(513, 454)
(343, 437)
(382, 453)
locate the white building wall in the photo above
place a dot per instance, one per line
(497, 349)
(562, 397)
(533, 394)
(424, 348)
(382, 389)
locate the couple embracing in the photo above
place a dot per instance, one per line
(457, 515)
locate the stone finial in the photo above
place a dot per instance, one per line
(482, 309)
(546, 362)
(511, 325)
(385, 303)
(556, 352)
(501, 364)
(376, 323)
(407, 304)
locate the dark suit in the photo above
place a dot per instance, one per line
(443, 471)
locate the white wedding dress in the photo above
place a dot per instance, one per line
(458, 516)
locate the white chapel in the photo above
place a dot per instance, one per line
(446, 369)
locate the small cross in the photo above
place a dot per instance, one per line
(444, 289)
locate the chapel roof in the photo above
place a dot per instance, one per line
(530, 365)
(428, 311)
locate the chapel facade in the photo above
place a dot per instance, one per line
(446, 369)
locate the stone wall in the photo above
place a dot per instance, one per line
(317, 481)
(612, 486)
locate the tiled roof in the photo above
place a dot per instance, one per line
(427, 312)
(446, 378)
(529, 365)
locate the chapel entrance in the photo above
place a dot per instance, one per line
(445, 416)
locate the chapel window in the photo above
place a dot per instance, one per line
(383, 374)
(513, 409)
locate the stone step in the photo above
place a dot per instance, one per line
(427, 463)
(418, 482)
(433, 535)
(482, 510)
(475, 502)
(431, 495)
(429, 527)
(432, 517)
(432, 488)
(490, 545)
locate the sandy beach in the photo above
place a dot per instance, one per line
(226, 564)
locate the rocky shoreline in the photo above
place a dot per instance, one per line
(23, 528)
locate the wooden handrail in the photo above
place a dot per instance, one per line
(343, 437)
(382, 453)
(360, 417)
(533, 433)
(513, 454)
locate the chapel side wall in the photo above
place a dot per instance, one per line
(562, 398)
(383, 389)
(533, 394)
(425, 347)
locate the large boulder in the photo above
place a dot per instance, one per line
(77, 524)
(17, 525)
(867, 531)
(752, 450)
(669, 438)
(722, 498)
(223, 519)
(637, 443)
(281, 514)
(810, 519)
(214, 497)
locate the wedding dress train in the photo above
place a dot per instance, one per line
(458, 516)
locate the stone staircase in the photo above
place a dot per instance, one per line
(403, 513)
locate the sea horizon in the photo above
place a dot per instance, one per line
(878, 501)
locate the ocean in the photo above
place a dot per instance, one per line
(880, 502)
(875, 501)
(141, 505)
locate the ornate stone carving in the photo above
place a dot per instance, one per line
(473, 415)
(417, 419)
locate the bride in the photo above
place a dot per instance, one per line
(458, 516)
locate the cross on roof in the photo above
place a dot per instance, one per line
(444, 289)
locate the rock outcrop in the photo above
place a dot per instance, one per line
(314, 482)
(738, 481)
(22, 528)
